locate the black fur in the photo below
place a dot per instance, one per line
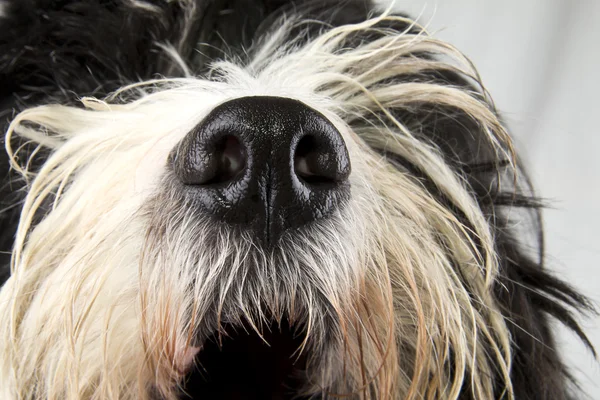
(59, 50)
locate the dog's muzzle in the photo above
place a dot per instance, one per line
(267, 164)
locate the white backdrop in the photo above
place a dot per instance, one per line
(540, 60)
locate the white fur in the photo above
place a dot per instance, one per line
(99, 302)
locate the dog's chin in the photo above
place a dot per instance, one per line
(243, 363)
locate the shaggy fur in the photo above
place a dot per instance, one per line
(422, 286)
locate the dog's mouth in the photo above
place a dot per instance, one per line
(240, 364)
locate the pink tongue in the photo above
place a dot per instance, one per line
(185, 359)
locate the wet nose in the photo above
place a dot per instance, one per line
(266, 164)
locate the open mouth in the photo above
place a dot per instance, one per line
(240, 364)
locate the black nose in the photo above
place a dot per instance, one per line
(267, 164)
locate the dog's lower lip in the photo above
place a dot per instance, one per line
(241, 364)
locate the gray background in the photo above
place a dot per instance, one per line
(540, 60)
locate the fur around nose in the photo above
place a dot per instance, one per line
(266, 163)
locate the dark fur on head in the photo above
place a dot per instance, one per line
(58, 51)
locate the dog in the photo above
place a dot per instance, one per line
(263, 199)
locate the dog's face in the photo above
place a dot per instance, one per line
(326, 219)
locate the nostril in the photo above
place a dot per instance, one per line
(209, 160)
(306, 163)
(316, 162)
(230, 157)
